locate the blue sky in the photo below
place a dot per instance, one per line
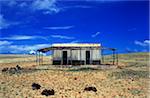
(32, 24)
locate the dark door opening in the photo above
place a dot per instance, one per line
(64, 58)
(87, 57)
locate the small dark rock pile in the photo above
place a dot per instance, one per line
(36, 86)
(5, 69)
(12, 70)
(48, 92)
(90, 89)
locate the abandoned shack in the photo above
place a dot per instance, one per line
(76, 53)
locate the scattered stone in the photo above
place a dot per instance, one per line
(18, 67)
(36, 86)
(12, 70)
(90, 89)
(4, 69)
(2, 82)
(75, 78)
(48, 92)
(120, 67)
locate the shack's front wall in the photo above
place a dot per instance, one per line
(77, 55)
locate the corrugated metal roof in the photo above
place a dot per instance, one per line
(76, 45)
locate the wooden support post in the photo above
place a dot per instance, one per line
(117, 57)
(39, 58)
(71, 56)
(67, 57)
(113, 57)
(102, 56)
(52, 57)
(80, 56)
(62, 57)
(85, 57)
(91, 58)
(42, 58)
(36, 59)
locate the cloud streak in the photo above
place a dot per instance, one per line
(59, 28)
(23, 37)
(5, 43)
(75, 41)
(96, 34)
(48, 6)
(4, 24)
(143, 44)
(62, 37)
(21, 48)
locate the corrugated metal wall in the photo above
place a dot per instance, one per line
(95, 54)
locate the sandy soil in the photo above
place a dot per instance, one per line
(123, 82)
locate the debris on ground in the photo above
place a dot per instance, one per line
(36, 86)
(12, 70)
(48, 92)
(90, 89)
(75, 78)
(4, 69)
(18, 67)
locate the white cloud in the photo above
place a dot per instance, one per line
(128, 50)
(48, 6)
(5, 43)
(58, 28)
(147, 42)
(22, 48)
(96, 34)
(12, 2)
(9, 3)
(144, 43)
(5, 24)
(23, 37)
(62, 37)
(75, 41)
(23, 4)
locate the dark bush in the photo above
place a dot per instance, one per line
(18, 67)
(90, 89)
(36, 86)
(12, 70)
(48, 92)
(5, 69)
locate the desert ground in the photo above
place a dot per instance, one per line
(129, 79)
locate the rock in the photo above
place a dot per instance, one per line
(75, 78)
(48, 92)
(90, 89)
(5, 69)
(36, 86)
(12, 70)
(18, 67)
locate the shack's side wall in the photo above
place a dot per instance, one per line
(75, 54)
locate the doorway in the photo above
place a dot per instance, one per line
(87, 57)
(64, 58)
